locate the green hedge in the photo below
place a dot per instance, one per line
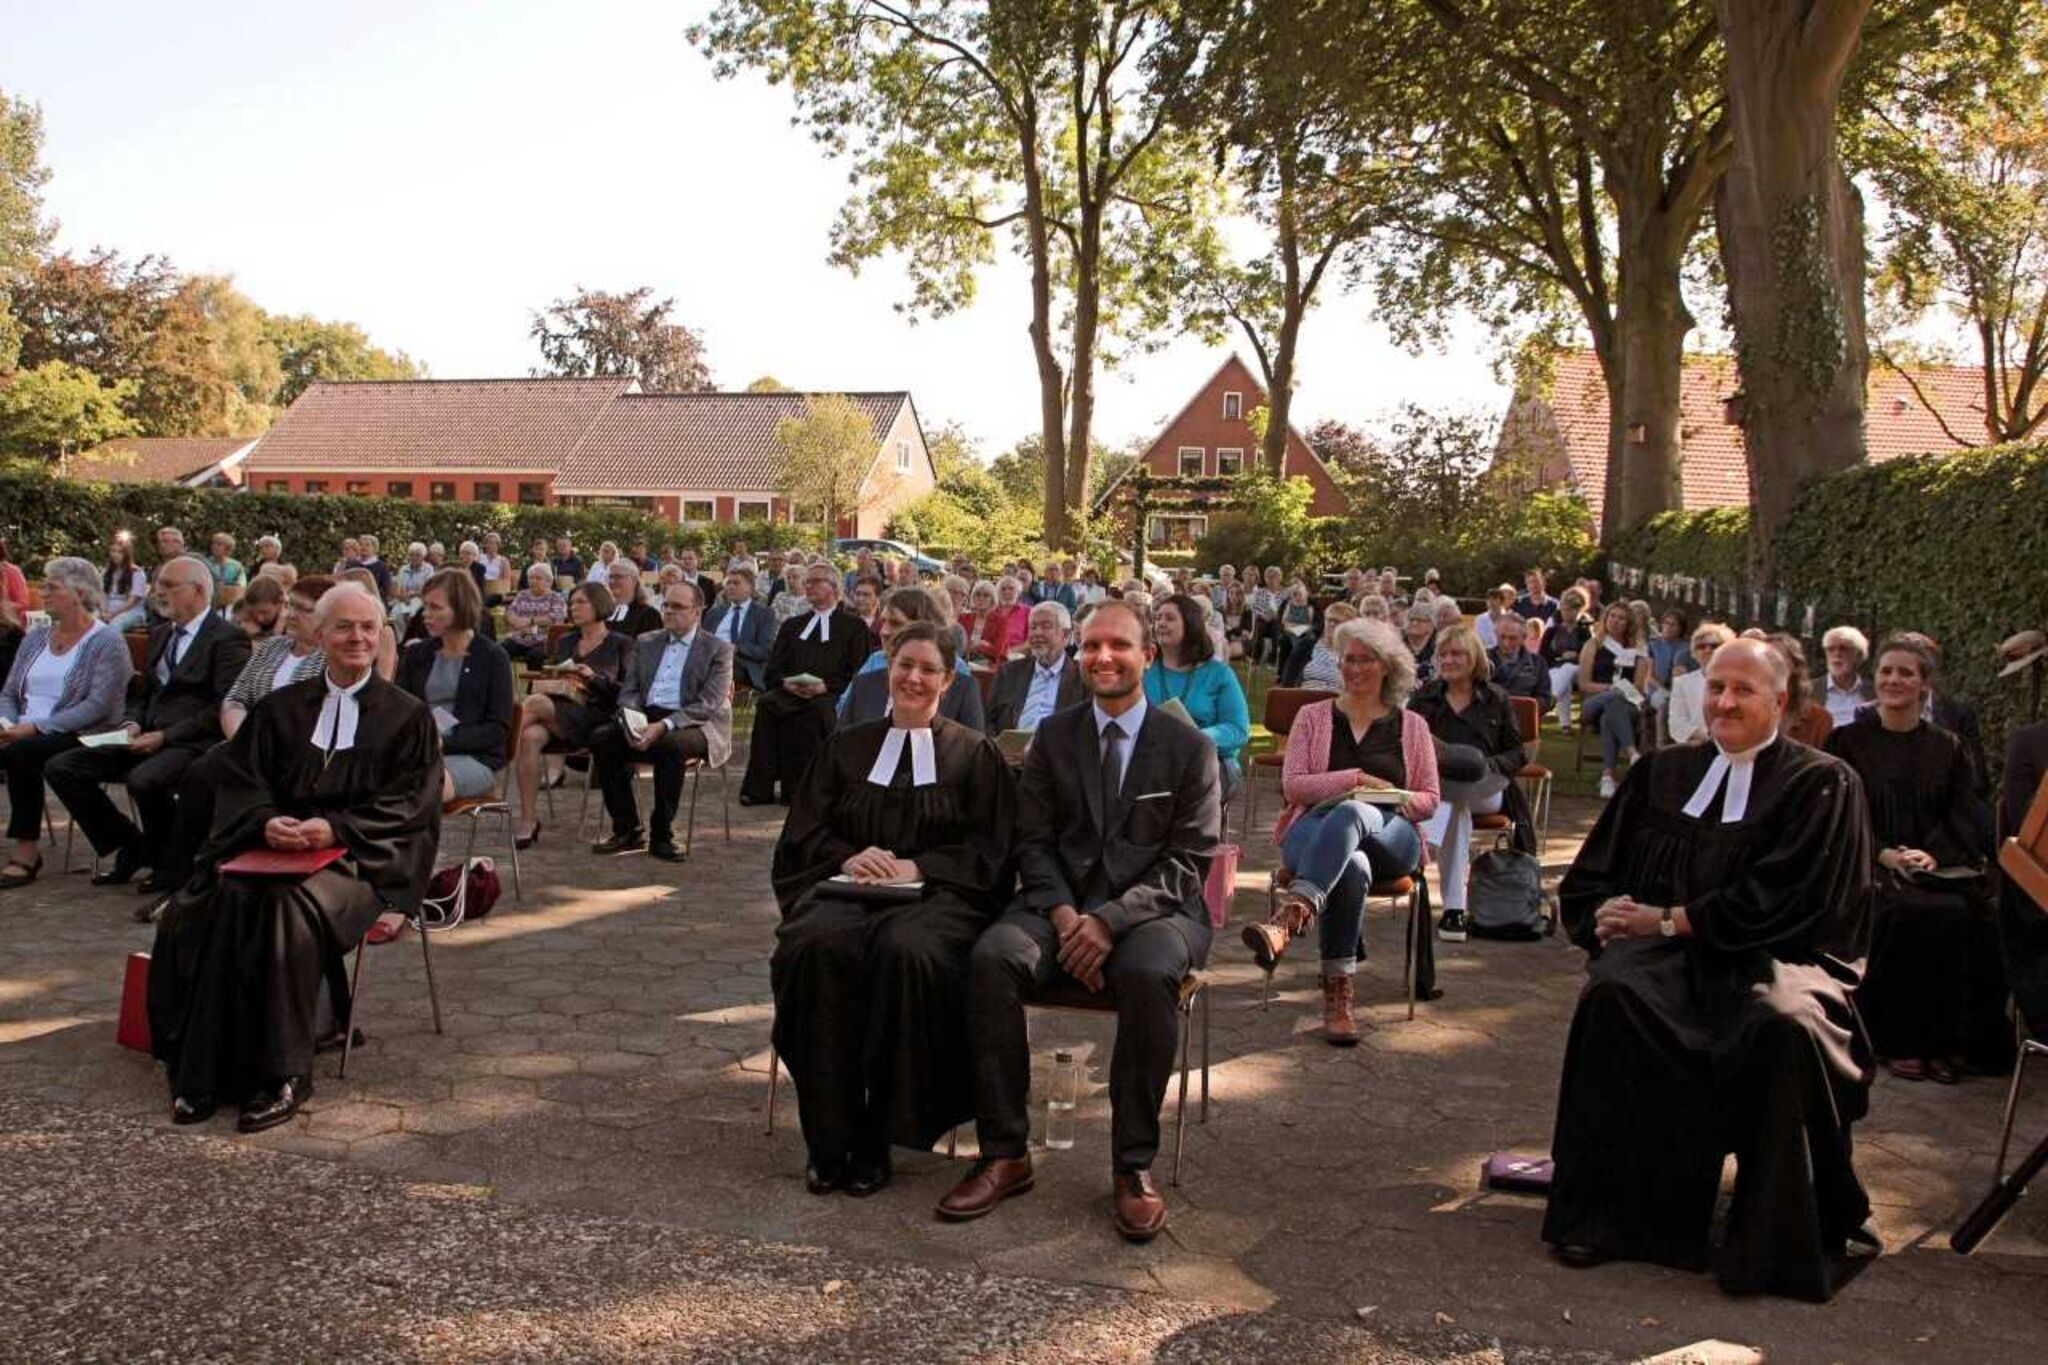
(45, 515)
(1953, 545)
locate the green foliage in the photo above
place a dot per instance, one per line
(826, 457)
(44, 515)
(23, 231)
(55, 409)
(593, 332)
(1268, 522)
(1712, 543)
(309, 349)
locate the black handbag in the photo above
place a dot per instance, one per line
(1505, 894)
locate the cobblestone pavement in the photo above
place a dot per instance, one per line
(605, 1058)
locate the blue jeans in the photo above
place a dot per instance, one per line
(1616, 717)
(1336, 858)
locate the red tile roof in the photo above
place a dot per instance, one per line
(1570, 429)
(697, 442)
(432, 425)
(152, 459)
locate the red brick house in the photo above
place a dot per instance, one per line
(1211, 438)
(691, 457)
(191, 461)
(1564, 434)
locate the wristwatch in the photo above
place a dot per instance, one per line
(1667, 926)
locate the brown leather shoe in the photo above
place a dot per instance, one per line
(1339, 1028)
(1140, 1209)
(1267, 941)
(992, 1180)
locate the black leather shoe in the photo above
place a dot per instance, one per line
(155, 884)
(1578, 1257)
(185, 1110)
(268, 1108)
(127, 862)
(746, 800)
(821, 1177)
(619, 843)
(527, 841)
(149, 912)
(864, 1178)
(667, 853)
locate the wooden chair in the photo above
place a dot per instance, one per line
(1414, 889)
(1283, 704)
(1813, 725)
(2024, 860)
(1534, 777)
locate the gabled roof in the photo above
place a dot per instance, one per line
(426, 425)
(1571, 426)
(152, 459)
(709, 442)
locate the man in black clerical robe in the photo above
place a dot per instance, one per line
(343, 760)
(1724, 898)
(826, 645)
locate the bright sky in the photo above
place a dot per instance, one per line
(435, 170)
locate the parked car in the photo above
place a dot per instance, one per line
(894, 549)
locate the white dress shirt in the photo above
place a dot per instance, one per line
(180, 645)
(666, 690)
(1130, 722)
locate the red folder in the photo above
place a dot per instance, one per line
(133, 1030)
(282, 862)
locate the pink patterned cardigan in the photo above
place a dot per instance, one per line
(1306, 780)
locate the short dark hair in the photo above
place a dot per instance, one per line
(1196, 645)
(696, 593)
(458, 588)
(744, 572)
(941, 640)
(312, 586)
(262, 590)
(914, 604)
(598, 595)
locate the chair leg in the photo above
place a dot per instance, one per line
(427, 956)
(1180, 1110)
(696, 776)
(355, 992)
(2012, 1109)
(1205, 1053)
(1408, 966)
(512, 846)
(583, 807)
(725, 795)
(774, 1083)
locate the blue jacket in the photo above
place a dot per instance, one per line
(1212, 696)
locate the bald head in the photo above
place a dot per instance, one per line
(1746, 685)
(1750, 654)
(186, 588)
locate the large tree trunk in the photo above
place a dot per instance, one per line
(1791, 235)
(1081, 398)
(1052, 383)
(1644, 474)
(1280, 379)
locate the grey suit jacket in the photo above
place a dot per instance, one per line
(1145, 857)
(1012, 688)
(750, 648)
(706, 692)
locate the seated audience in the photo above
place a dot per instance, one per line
(124, 587)
(814, 657)
(628, 612)
(373, 560)
(1614, 678)
(1563, 643)
(1933, 996)
(1847, 691)
(466, 682)
(1373, 607)
(269, 551)
(1186, 670)
(1479, 752)
(407, 582)
(789, 599)
(1268, 600)
(260, 612)
(387, 643)
(1956, 716)
(707, 586)
(1333, 835)
(1518, 669)
(1117, 820)
(867, 697)
(1536, 603)
(871, 996)
(1670, 658)
(1500, 605)
(342, 761)
(747, 626)
(567, 564)
(680, 679)
(532, 612)
(1025, 691)
(600, 569)
(1322, 672)
(1688, 715)
(229, 577)
(1297, 637)
(68, 678)
(194, 658)
(1418, 633)
(1723, 899)
(600, 657)
(497, 569)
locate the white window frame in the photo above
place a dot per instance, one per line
(1180, 461)
(683, 511)
(903, 456)
(1233, 399)
(1234, 451)
(753, 509)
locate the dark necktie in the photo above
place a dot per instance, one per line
(177, 651)
(1112, 768)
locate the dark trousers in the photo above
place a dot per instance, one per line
(615, 757)
(24, 762)
(788, 731)
(194, 820)
(152, 780)
(1018, 955)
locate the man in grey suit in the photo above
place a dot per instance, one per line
(1045, 680)
(745, 624)
(682, 681)
(1118, 815)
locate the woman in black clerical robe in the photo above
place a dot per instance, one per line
(1934, 994)
(234, 981)
(1738, 1036)
(871, 995)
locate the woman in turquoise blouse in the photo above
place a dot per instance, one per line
(1188, 671)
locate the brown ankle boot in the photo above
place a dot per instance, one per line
(1339, 1028)
(1267, 941)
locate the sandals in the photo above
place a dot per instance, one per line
(18, 873)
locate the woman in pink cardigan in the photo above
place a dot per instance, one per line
(1334, 836)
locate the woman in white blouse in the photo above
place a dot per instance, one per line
(1688, 715)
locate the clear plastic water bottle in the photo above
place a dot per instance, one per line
(1060, 1098)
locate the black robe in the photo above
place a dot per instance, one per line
(787, 728)
(870, 999)
(1742, 1038)
(234, 980)
(1935, 988)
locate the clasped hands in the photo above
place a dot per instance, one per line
(296, 836)
(1085, 945)
(1906, 860)
(141, 743)
(1625, 917)
(803, 689)
(879, 865)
